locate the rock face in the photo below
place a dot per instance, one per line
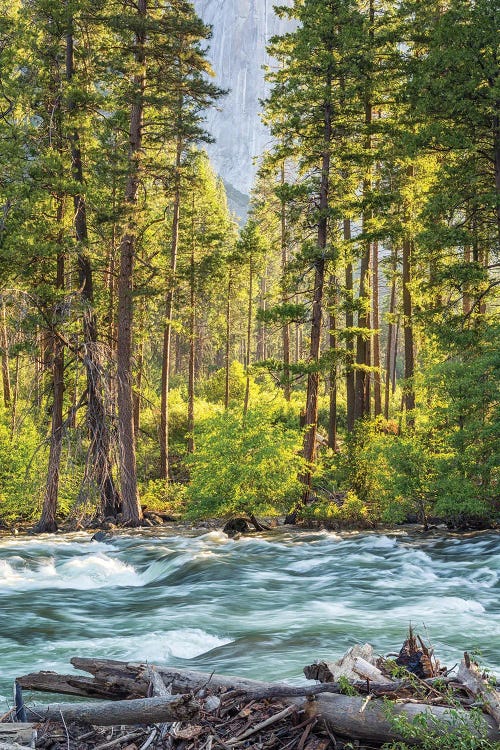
(241, 29)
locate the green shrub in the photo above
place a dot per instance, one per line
(163, 496)
(350, 512)
(250, 468)
(214, 388)
(22, 469)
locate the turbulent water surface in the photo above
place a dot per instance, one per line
(260, 606)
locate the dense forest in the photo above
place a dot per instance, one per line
(337, 355)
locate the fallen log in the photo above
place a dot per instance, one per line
(138, 711)
(470, 676)
(73, 684)
(345, 715)
(351, 717)
(85, 687)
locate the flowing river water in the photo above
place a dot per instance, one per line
(261, 606)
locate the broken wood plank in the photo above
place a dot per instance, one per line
(358, 661)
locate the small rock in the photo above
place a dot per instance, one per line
(212, 703)
(235, 526)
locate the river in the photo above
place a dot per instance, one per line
(261, 606)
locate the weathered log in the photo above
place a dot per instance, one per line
(86, 687)
(341, 712)
(12, 746)
(139, 711)
(349, 717)
(471, 678)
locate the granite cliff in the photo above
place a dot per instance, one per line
(241, 29)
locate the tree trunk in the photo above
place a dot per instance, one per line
(362, 343)
(192, 337)
(249, 340)
(466, 300)
(368, 363)
(132, 513)
(362, 401)
(409, 393)
(169, 311)
(349, 323)
(13, 419)
(395, 357)
(47, 523)
(496, 158)
(138, 383)
(99, 458)
(390, 332)
(363, 300)
(261, 353)
(228, 341)
(377, 391)
(4, 343)
(332, 416)
(313, 378)
(284, 264)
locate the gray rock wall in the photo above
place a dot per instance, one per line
(241, 29)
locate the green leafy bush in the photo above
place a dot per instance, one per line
(22, 468)
(214, 388)
(350, 512)
(244, 468)
(163, 496)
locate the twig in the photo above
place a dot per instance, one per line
(305, 735)
(65, 729)
(118, 740)
(366, 702)
(149, 740)
(271, 720)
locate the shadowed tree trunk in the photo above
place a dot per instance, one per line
(349, 323)
(361, 407)
(332, 417)
(284, 263)
(311, 411)
(4, 343)
(99, 455)
(169, 311)
(377, 391)
(47, 523)
(261, 330)
(228, 340)
(13, 419)
(192, 337)
(409, 393)
(132, 513)
(390, 335)
(249, 339)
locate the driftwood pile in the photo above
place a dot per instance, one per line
(354, 703)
